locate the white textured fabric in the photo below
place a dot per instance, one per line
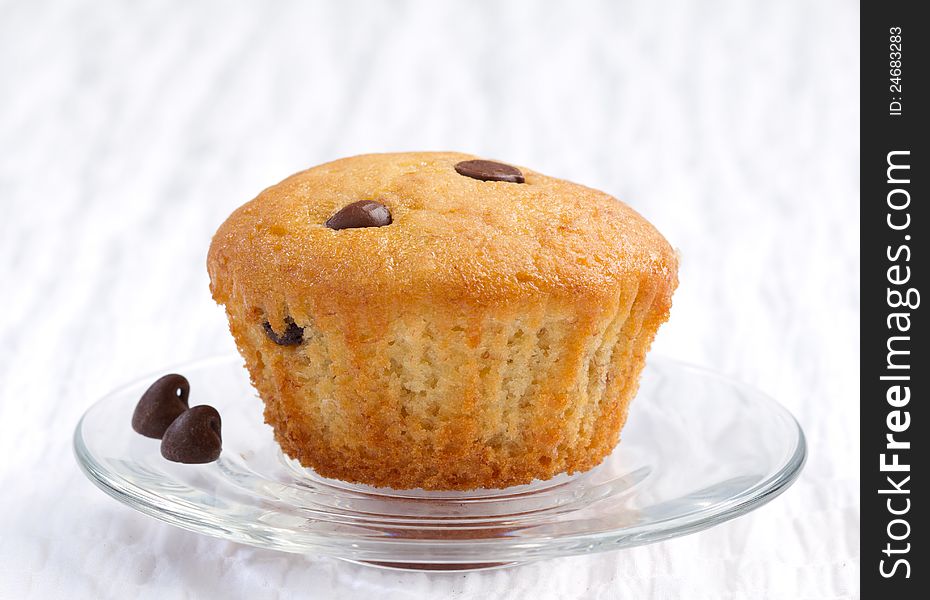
(130, 130)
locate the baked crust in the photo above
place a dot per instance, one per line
(492, 334)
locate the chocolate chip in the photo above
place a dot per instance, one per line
(364, 213)
(160, 405)
(488, 170)
(292, 336)
(194, 437)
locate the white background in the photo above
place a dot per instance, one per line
(130, 130)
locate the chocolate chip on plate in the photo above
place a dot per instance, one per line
(292, 336)
(160, 405)
(488, 170)
(194, 437)
(364, 213)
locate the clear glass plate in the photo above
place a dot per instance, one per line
(698, 449)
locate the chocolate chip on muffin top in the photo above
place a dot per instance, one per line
(488, 170)
(364, 213)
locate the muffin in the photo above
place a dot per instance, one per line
(432, 320)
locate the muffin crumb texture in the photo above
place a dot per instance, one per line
(493, 333)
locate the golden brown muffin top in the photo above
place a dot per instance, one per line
(452, 238)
